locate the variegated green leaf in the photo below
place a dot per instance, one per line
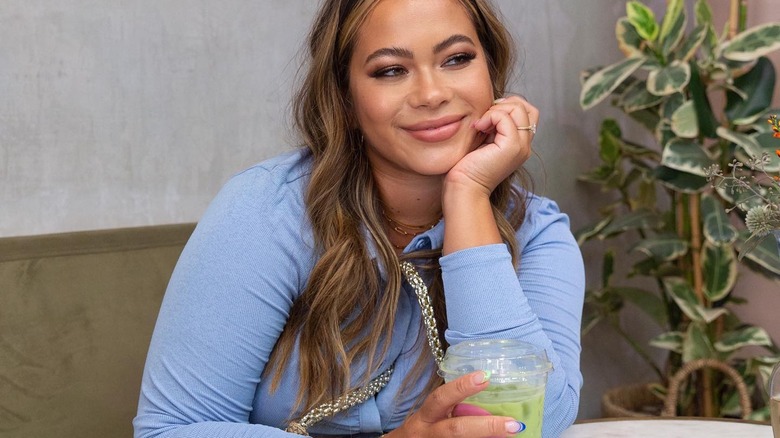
(682, 182)
(600, 84)
(744, 141)
(703, 12)
(704, 18)
(670, 79)
(664, 247)
(643, 19)
(605, 175)
(609, 144)
(719, 266)
(642, 219)
(629, 41)
(696, 344)
(683, 294)
(672, 104)
(768, 143)
(686, 156)
(762, 366)
(759, 415)
(766, 254)
(717, 228)
(669, 341)
(701, 102)
(734, 340)
(731, 407)
(647, 117)
(649, 302)
(693, 42)
(663, 132)
(673, 26)
(591, 231)
(636, 97)
(744, 200)
(684, 122)
(753, 43)
(645, 195)
(758, 84)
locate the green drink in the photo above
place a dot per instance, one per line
(518, 376)
(526, 404)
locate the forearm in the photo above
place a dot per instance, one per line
(468, 216)
(541, 303)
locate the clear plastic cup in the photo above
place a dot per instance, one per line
(518, 376)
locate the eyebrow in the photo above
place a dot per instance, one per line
(406, 53)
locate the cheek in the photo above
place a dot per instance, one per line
(372, 108)
(486, 89)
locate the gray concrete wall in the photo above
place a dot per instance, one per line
(119, 113)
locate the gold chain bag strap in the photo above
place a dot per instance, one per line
(354, 398)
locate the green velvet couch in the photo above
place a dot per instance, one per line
(76, 314)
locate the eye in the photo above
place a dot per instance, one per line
(389, 72)
(459, 59)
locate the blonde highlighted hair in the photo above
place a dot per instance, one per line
(345, 297)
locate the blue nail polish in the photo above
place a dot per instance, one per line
(515, 426)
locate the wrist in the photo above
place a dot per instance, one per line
(469, 221)
(463, 187)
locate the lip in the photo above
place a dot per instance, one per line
(436, 130)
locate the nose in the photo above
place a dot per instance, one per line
(430, 90)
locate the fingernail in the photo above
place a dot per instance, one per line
(514, 426)
(499, 100)
(481, 378)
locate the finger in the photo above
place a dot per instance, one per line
(485, 426)
(465, 409)
(522, 112)
(440, 403)
(500, 122)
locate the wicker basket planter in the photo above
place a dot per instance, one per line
(631, 401)
(638, 401)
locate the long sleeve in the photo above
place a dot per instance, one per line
(540, 303)
(225, 306)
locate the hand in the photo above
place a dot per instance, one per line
(505, 148)
(434, 419)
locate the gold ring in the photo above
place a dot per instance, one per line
(531, 128)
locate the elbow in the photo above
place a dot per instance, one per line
(562, 413)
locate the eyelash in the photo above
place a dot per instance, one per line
(397, 70)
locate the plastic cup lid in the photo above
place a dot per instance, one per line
(504, 359)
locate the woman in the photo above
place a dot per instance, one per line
(289, 293)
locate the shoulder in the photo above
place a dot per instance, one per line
(257, 224)
(286, 172)
(261, 208)
(276, 185)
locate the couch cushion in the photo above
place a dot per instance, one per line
(76, 314)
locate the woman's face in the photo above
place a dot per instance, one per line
(418, 79)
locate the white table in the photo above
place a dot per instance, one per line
(671, 427)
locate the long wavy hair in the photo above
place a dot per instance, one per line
(345, 298)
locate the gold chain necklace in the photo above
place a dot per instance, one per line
(399, 226)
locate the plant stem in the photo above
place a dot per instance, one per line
(698, 276)
(637, 347)
(733, 18)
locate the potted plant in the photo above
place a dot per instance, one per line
(757, 191)
(704, 99)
